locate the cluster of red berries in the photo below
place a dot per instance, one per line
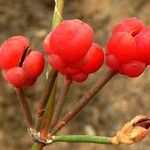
(71, 50)
(128, 49)
(20, 66)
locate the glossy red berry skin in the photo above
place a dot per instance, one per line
(56, 62)
(95, 59)
(71, 39)
(12, 50)
(128, 48)
(46, 45)
(78, 64)
(80, 77)
(112, 62)
(71, 50)
(33, 64)
(16, 76)
(71, 71)
(122, 46)
(20, 65)
(130, 25)
(121, 55)
(143, 46)
(133, 69)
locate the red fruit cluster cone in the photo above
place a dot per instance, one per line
(20, 65)
(71, 50)
(128, 49)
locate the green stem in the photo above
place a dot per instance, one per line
(47, 117)
(57, 17)
(45, 97)
(58, 11)
(82, 139)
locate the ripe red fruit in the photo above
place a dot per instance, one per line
(130, 25)
(128, 48)
(20, 65)
(46, 44)
(143, 46)
(122, 46)
(71, 52)
(12, 50)
(71, 71)
(95, 59)
(56, 62)
(16, 76)
(33, 64)
(80, 77)
(71, 39)
(112, 62)
(78, 64)
(133, 69)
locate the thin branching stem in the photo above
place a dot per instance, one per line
(47, 117)
(61, 101)
(57, 17)
(45, 97)
(24, 107)
(80, 104)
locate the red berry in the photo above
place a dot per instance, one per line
(130, 25)
(16, 76)
(71, 39)
(11, 51)
(56, 62)
(143, 45)
(46, 44)
(71, 71)
(79, 64)
(21, 67)
(122, 46)
(133, 69)
(128, 48)
(112, 62)
(95, 59)
(80, 77)
(33, 64)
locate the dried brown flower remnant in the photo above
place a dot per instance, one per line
(131, 132)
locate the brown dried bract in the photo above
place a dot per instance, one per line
(131, 132)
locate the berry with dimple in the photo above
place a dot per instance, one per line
(130, 25)
(95, 58)
(33, 64)
(12, 50)
(71, 39)
(71, 50)
(122, 46)
(20, 65)
(143, 45)
(128, 48)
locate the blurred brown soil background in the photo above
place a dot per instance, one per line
(119, 101)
